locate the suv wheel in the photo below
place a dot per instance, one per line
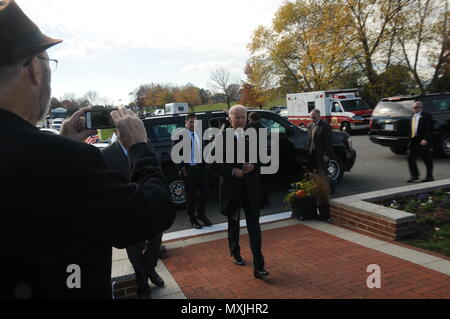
(345, 127)
(176, 189)
(399, 150)
(335, 169)
(444, 144)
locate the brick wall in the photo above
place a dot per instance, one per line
(391, 230)
(124, 288)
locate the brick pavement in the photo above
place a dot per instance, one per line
(304, 263)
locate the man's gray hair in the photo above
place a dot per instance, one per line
(236, 108)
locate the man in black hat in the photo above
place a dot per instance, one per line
(62, 208)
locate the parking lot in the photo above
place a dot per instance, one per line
(376, 168)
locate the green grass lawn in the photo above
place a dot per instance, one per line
(437, 240)
(105, 135)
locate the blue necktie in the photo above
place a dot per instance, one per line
(193, 149)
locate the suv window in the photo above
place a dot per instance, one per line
(355, 105)
(219, 122)
(272, 124)
(163, 132)
(394, 108)
(436, 104)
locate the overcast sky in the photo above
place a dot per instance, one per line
(113, 46)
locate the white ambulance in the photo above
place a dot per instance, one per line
(343, 109)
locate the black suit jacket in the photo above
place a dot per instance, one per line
(322, 139)
(116, 159)
(232, 190)
(425, 127)
(61, 205)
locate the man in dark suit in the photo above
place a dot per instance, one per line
(319, 146)
(239, 188)
(195, 177)
(421, 141)
(63, 208)
(143, 256)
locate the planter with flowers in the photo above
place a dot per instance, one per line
(308, 195)
(302, 200)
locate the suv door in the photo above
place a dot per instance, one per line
(288, 156)
(160, 133)
(439, 107)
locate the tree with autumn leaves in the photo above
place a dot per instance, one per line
(158, 95)
(257, 90)
(318, 44)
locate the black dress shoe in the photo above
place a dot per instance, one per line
(239, 261)
(259, 273)
(156, 279)
(412, 180)
(426, 180)
(204, 220)
(196, 225)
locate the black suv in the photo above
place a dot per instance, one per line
(390, 123)
(293, 147)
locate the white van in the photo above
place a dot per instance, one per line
(176, 108)
(343, 109)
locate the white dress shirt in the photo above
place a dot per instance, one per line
(416, 119)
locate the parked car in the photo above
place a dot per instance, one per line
(56, 124)
(56, 127)
(58, 121)
(278, 109)
(293, 146)
(390, 124)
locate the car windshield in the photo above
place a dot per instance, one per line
(354, 105)
(393, 108)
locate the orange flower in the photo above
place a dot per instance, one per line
(300, 194)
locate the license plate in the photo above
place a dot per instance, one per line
(389, 127)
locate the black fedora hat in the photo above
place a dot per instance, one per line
(19, 36)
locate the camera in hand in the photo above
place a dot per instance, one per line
(99, 119)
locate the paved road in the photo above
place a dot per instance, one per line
(375, 168)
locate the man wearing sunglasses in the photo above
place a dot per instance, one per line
(62, 207)
(421, 141)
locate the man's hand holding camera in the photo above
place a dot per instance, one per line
(129, 128)
(75, 128)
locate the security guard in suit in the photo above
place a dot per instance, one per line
(421, 141)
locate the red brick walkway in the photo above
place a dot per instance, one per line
(303, 263)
